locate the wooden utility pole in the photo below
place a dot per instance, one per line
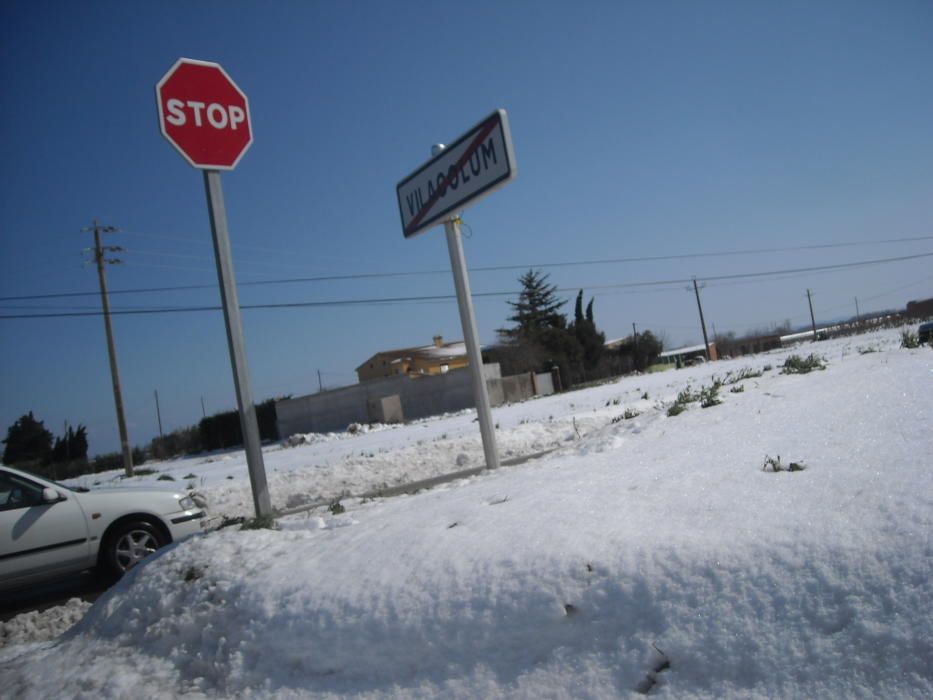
(100, 252)
(696, 290)
(158, 413)
(635, 345)
(812, 317)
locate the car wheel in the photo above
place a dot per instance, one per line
(130, 544)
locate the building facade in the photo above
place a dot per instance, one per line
(425, 360)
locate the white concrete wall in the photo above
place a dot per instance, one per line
(425, 396)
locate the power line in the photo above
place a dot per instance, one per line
(448, 297)
(491, 268)
(812, 246)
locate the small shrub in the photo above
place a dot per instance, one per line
(686, 396)
(709, 396)
(909, 340)
(143, 471)
(737, 389)
(227, 521)
(262, 522)
(774, 464)
(676, 409)
(627, 415)
(644, 396)
(190, 476)
(336, 508)
(742, 374)
(795, 364)
(165, 477)
(766, 368)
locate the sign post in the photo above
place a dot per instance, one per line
(480, 161)
(205, 116)
(470, 337)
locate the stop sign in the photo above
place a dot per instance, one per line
(204, 114)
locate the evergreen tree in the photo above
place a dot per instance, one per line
(643, 351)
(578, 309)
(590, 339)
(72, 446)
(541, 337)
(78, 446)
(27, 440)
(536, 310)
(60, 450)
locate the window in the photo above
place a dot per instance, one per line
(16, 492)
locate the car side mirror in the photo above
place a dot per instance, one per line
(50, 495)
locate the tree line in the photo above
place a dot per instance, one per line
(542, 339)
(31, 446)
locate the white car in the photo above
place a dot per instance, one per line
(47, 529)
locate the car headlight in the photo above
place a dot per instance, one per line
(186, 503)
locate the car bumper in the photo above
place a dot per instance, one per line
(191, 522)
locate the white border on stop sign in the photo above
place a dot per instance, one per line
(249, 119)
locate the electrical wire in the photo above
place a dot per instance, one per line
(492, 268)
(479, 295)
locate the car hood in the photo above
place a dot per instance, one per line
(136, 498)
(127, 490)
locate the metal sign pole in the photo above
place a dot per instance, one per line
(244, 396)
(468, 321)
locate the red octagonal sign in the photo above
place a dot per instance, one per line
(204, 114)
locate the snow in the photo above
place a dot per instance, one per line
(650, 554)
(39, 626)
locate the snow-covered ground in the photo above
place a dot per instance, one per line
(649, 554)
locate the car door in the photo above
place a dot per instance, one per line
(38, 539)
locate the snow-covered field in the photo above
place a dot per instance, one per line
(648, 554)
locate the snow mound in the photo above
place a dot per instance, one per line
(650, 554)
(40, 626)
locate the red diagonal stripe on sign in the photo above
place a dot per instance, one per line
(484, 131)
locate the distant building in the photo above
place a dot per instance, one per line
(920, 309)
(749, 345)
(425, 360)
(688, 355)
(617, 343)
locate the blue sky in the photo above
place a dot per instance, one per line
(641, 129)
